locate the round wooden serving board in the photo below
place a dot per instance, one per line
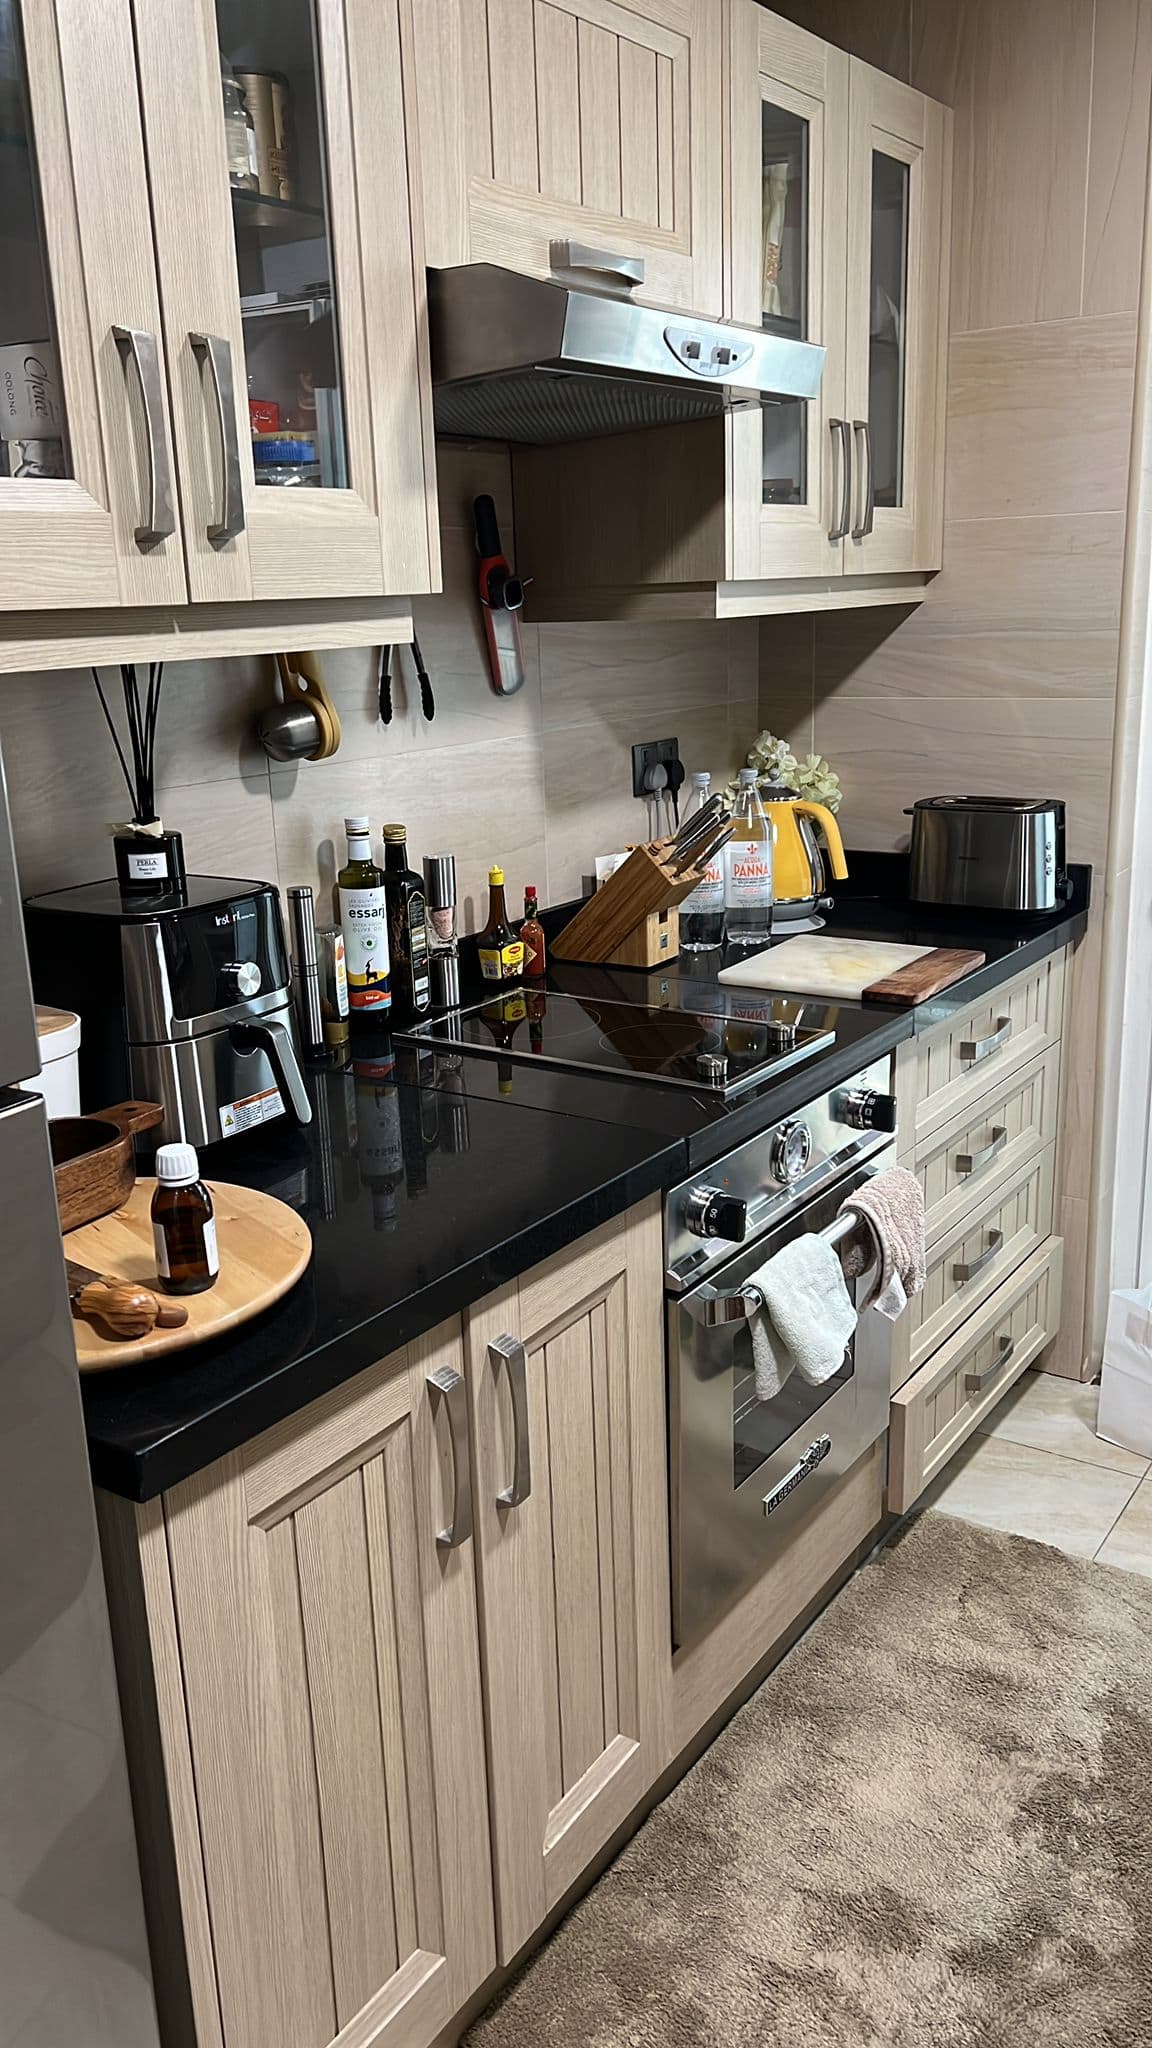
(264, 1247)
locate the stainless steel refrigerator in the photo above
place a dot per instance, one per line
(73, 1953)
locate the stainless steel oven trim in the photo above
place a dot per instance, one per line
(722, 1539)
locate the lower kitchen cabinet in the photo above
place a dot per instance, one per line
(298, 1643)
(566, 1390)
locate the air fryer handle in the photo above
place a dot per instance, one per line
(277, 1040)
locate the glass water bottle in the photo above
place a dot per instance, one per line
(748, 866)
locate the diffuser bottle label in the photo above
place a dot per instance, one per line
(364, 920)
(148, 867)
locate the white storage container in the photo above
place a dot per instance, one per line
(1125, 1414)
(59, 1080)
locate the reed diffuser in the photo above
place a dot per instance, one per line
(149, 860)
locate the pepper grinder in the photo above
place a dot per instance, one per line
(440, 890)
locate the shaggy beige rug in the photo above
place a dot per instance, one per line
(930, 1828)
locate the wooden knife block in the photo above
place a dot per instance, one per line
(632, 921)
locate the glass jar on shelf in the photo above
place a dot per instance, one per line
(239, 133)
(286, 459)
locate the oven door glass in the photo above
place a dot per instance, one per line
(732, 1454)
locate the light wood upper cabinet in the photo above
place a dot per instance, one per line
(839, 211)
(566, 1385)
(87, 508)
(155, 285)
(595, 121)
(317, 1668)
(789, 96)
(305, 301)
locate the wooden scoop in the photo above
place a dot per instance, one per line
(123, 1306)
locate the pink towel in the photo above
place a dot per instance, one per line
(891, 1206)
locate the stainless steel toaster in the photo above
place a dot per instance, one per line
(989, 852)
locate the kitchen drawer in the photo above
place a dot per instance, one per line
(990, 1241)
(943, 1403)
(970, 1163)
(951, 1067)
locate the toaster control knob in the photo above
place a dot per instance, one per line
(708, 1213)
(244, 977)
(865, 1109)
(791, 1151)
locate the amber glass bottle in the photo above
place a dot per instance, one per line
(183, 1224)
(500, 951)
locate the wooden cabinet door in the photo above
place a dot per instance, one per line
(566, 1387)
(330, 1671)
(594, 121)
(788, 165)
(291, 309)
(899, 210)
(87, 512)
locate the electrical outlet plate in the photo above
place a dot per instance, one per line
(646, 754)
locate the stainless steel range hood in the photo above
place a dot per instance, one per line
(526, 359)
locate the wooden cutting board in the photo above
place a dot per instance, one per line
(883, 972)
(264, 1247)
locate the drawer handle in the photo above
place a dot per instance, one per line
(975, 1382)
(963, 1273)
(973, 1050)
(975, 1162)
(509, 1352)
(448, 1386)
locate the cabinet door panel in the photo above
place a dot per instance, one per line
(592, 120)
(789, 128)
(573, 1579)
(898, 211)
(332, 1684)
(86, 494)
(289, 294)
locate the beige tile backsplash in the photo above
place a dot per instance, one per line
(540, 781)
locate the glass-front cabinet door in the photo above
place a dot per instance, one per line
(897, 330)
(87, 502)
(789, 462)
(276, 139)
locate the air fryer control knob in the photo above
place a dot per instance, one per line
(243, 977)
(708, 1213)
(791, 1151)
(865, 1109)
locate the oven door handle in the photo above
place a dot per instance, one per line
(712, 1306)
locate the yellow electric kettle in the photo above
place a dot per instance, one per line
(797, 859)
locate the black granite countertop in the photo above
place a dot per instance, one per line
(429, 1180)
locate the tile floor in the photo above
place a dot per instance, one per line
(1036, 1467)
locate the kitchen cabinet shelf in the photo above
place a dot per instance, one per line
(276, 220)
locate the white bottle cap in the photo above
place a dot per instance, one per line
(748, 775)
(177, 1165)
(700, 778)
(358, 828)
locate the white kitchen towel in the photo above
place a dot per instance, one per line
(774, 1365)
(808, 1306)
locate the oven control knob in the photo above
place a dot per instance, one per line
(712, 1068)
(708, 1213)
(865, 1109)
(781, 1036)
(791, 1151)
(244, 977)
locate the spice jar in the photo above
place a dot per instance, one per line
(183, 1223)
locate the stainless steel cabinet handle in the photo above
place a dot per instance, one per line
(140, 347)
(218, 354)
(864, 525)
(975, 1382)
(838, 531)
(627, 270)
(961, 1274)
(975, 1162)
(447, 1386)
(509, 1352)
(973, 1050)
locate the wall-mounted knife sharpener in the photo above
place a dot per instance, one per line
(501, 599)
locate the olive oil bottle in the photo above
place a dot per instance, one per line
(364, 920)
(408, 947)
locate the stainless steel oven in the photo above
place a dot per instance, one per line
(743, 1471)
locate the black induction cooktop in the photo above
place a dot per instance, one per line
(705, 1050)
